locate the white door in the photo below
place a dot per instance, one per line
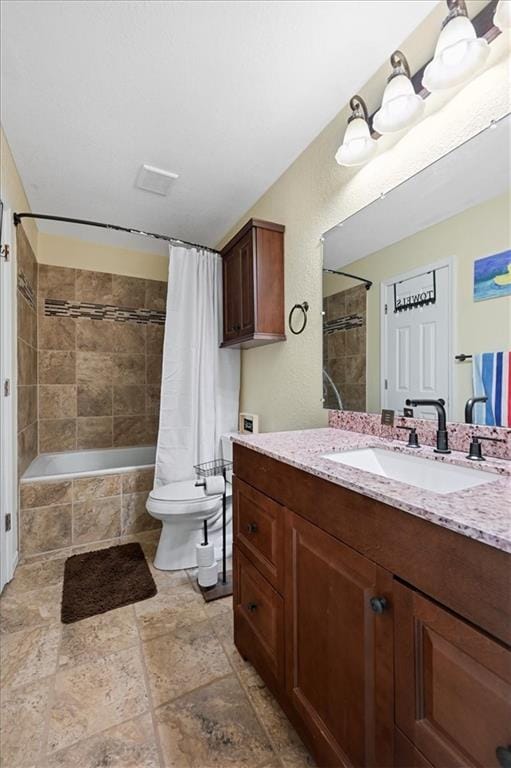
(416, 342)
(8, 507)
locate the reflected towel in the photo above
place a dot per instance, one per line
(491, 377)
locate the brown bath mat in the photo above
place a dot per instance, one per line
(100, 581)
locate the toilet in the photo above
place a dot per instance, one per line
(182, 508)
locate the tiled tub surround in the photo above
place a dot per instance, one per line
(27, 352)
(68, 515)
(481, 513)
(100, 357)
(344, 346)
(459, 434)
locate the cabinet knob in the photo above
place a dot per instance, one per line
(504, 756)
(237, 327)
(252, 607)
(378, 604)
(252, 528)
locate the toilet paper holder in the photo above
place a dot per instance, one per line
(204, 470)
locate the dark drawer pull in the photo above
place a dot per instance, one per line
(252, 607)
(504, 756)
(378, 604)
(252, 528)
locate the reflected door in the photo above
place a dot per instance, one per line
(416, 350)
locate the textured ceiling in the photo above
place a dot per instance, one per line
(227, 94)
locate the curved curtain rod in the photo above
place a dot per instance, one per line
(367, 283)
(18, 216)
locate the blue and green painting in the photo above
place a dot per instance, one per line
(492, 276)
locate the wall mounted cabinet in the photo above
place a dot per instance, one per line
(253, 286)
(385, 638)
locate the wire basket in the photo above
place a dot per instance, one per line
(216, 467)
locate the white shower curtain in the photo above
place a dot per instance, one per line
(200, 381)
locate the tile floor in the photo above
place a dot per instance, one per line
(158, 684)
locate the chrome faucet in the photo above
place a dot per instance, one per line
(442, 437)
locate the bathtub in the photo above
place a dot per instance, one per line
(112, 461)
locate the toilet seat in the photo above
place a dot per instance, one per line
(183, 498)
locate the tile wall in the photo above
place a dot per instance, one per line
(27, 352)
(344, 347)
(72, 515)
(99, 359)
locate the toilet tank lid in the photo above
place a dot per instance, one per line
(185, 490)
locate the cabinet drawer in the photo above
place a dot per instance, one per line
(259, 531)
(453, 685)
(258, 621)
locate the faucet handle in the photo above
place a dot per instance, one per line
(413, 440)
(475, 452)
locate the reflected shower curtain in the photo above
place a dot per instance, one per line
(200, 381)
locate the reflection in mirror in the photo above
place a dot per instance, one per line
(421, 308)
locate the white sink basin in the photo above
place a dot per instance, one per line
(423, 473)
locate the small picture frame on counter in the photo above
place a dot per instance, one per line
(249, 424)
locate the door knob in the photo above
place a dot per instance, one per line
(252, 607)
(504, 756)
(252, 528)
(378, 604)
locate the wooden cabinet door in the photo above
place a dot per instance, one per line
(339, 651)
(246, 251)
(232, 293)
(453, 685)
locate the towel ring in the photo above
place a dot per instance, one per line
(304, 308)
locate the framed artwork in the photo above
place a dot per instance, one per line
(249, 424)
(492, 276)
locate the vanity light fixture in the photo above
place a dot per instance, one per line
(401, 106)
(502, 18)
(358, 146)
(459, 53)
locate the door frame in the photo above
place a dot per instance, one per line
(450, 263)
(8, 403)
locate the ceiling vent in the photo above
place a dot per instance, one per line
(155, 180)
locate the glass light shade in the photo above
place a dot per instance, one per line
(401, 106)
(459, 54)
(502, 18)
(358, 146)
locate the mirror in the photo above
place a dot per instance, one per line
(417, 289)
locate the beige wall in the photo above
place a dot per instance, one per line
(12, 191)
(482, 326)
(282, 382)
(63, 251)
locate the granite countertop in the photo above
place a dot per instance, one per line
(482, 513)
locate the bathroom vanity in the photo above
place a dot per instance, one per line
(376, 612)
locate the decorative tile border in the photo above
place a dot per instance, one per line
(80, 309)
(459, 434)
(25, 288)
(343, 323)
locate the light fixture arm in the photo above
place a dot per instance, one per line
(358, 108)
(399, 64)
(456, 8)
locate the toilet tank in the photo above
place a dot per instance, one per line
(226, 445)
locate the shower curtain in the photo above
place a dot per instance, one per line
(200, 381)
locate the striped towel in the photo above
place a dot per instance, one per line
(491, 377)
